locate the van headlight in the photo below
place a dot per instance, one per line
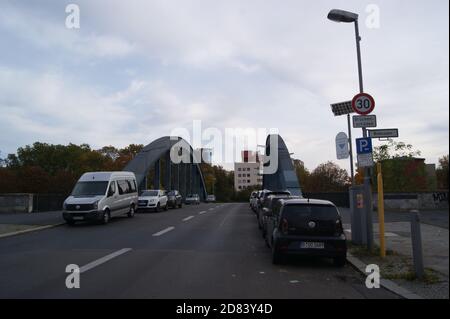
(95, 205)
(64, 206)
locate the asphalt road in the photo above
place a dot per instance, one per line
(205, 251)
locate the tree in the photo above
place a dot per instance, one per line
(328, 177)
(303, 175)
(394, 149)
(442, 172)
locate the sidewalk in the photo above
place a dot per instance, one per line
(16, 223)
(435, 246)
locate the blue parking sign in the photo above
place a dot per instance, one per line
(364, 145)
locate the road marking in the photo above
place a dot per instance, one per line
(187, 218)
(211, 208)
(202, 212)
(294, 281)
(102, 260)
(162, 232)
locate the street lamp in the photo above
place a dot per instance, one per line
(337, 15)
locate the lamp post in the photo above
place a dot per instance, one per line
(337, 15)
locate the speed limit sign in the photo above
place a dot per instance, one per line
(363, 103)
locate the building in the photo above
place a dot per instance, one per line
(248, 172)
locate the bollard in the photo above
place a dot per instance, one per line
(416, 240)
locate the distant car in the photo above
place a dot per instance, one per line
(253, 200)
(306, 227)
(99, 196)
(192, 199)
(152, 199)
(174, 199)
(262, 199)
(211, 198)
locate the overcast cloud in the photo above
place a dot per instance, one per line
(136, 70)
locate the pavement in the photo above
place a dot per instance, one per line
(205, 251)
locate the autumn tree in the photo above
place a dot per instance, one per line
(442, 172)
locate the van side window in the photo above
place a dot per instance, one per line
(123, 187)
(112, 188)
(131, 186)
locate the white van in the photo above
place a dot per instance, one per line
(98, 196)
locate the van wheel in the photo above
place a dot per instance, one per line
(106, 217)
(158, 208)
(131, 212)
(166, 207)
(181, 205)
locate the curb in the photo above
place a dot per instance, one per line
(385, 283)
(29, 230)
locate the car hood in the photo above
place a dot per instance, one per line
(83, 200)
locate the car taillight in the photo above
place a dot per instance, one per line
(339, 227)
(284, 226)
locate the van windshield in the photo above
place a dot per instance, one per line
(149, 193)
(90, 188)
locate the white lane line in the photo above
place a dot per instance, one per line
(162, 232)
(202, 212)
(187, 218)
(102, 260)
(211, 208)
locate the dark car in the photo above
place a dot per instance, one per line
(264, 194)
(267, 207)
(174, 199)
(306, 227)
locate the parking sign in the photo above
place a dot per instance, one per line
(364, 145)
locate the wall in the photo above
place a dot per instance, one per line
(408, 201)
(16, 203)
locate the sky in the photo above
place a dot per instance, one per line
(137, 70)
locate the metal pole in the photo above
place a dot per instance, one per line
(381, 211)
(358, 51)
(416, 239)
(352, 171)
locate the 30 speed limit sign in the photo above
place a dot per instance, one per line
(363, 103)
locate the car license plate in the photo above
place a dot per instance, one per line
(312, 245)
(78, 217)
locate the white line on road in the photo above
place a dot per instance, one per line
(211, 208)
(168, 229)
(102, 260)
(202, 212)
(187, 218)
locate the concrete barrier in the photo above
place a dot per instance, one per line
(16, 203)
(408, 201)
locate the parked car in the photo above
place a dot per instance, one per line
(211, 198)
(174, 199)
(264, 194)
(192, 199)
(306, 227)
(253, 199)
(99, 196)
(154, 199)
(267, 207)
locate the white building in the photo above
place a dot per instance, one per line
(248, 172)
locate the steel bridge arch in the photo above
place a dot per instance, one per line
(284, 176)
(188, 179)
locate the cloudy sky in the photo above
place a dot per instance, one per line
(136, 70)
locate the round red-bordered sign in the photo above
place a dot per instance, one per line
(363, 103)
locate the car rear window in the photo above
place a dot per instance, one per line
(298, 213)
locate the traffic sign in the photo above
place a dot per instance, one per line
(383, 133)
(360, 121)
(363, 103)
(342, 151)
(364, 145)
(365, 160)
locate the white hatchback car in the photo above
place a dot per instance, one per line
(152, 199)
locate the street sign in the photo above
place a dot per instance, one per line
(365, 160)
(360, 121)
(363, 103)
(383, 133)
(342, 151)
(364, 145)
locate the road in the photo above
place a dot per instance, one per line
(204, 251)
